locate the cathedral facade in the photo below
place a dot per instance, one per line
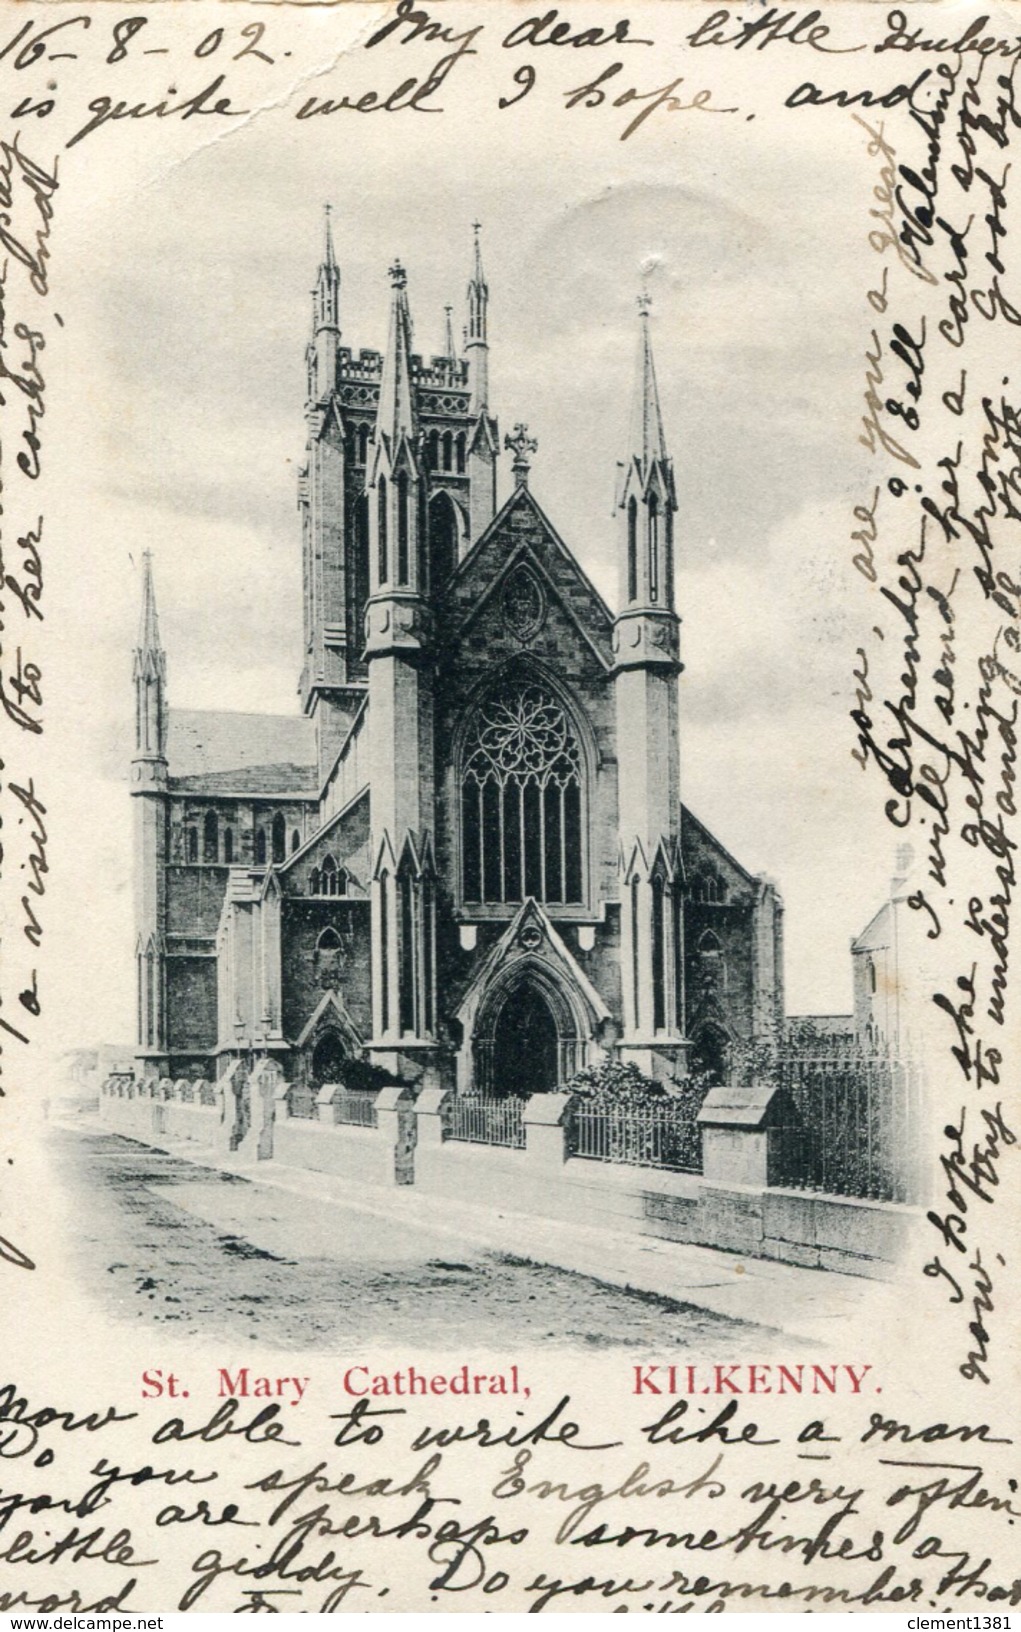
(465, 858)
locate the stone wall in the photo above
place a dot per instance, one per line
(731, 1205)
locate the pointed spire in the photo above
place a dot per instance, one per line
(396, 415)
(149, 628)
(476, 337)
(326, 295)
(646, 441)
(478, 276)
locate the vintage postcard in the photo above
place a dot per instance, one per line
(511, 686)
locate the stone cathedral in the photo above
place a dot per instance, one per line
(465, 859)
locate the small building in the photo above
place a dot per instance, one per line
(880, 997)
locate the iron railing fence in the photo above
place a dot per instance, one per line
(355, 1107)
(665, 1135)
(485, 1120)
(858, 1126)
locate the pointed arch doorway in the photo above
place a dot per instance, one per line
(526, 1044)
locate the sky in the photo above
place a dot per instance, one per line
(183, 384)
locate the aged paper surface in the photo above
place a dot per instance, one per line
(509, 1124)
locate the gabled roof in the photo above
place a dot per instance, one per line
(323, 832)
(689, 821)
(524, 552)
(876, 935)
(219, 752)
(509, 949)
(522, 499)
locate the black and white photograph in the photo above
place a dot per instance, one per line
(509, 810)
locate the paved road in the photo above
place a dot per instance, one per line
(214, 1254)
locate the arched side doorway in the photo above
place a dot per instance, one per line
(529, 1035)
(526, 1051)
(711, 1054)
(329, 1059)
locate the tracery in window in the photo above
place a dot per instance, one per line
(709, 890)
(712, 967)
(521, 787)
(329, 879)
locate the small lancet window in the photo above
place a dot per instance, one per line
(260, 847)
(460, 453)
(403, 529)
(653, 547)
(632, 548)
(228, 846)
(333, 880)
(192, 843)
(295, 841)
(659, 955)
(448, 450)
(210, 838)
(363, 444)
(279, 838)
(382, 519)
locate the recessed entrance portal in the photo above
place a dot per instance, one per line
(329, 1057)
(525, 1044)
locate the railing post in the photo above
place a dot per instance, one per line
(429, 1117)
(545, 1122)
(396, 1123)
(741, 1134)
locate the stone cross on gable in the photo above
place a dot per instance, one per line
(521, 445)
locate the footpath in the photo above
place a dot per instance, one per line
(807, 1305)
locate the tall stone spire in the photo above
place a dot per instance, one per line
(484, 443)
(149, 785)
(322, 354)
(150, 674)
(149, 625)
(646, 441)
(646, 499)
(476, 335)
(449, 343)
(327, 289)
(395, 417)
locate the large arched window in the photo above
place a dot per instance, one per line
(521, 799)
